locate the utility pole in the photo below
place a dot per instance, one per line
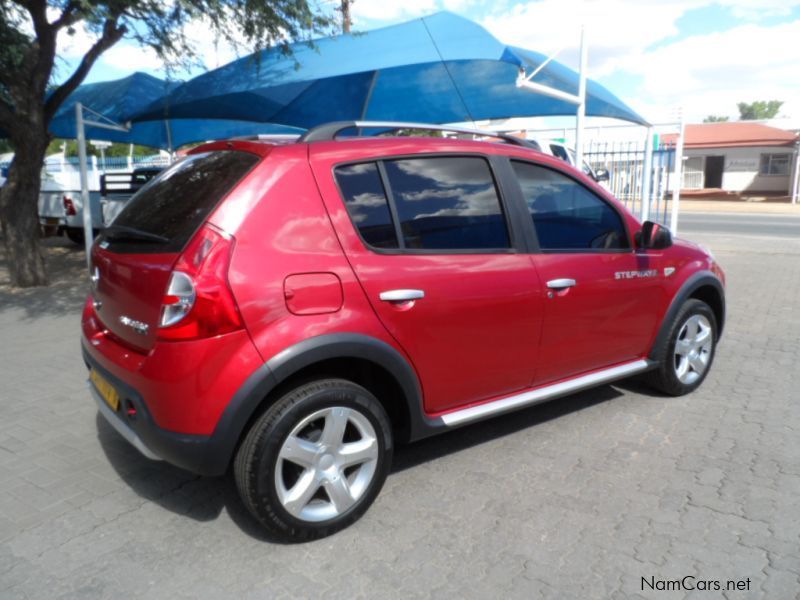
(346, 22)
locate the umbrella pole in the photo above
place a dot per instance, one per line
(581, 114)
(87, 209)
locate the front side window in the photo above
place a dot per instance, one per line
(774, 164)
(447, 203)
(566, 215)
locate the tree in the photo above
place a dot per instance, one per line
(760, 109)
(716, 119)
(29, 97)
(347, 20)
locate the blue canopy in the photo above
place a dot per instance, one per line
(437, 69)
(118, 100)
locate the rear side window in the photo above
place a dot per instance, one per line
(447, 203)
(566, 215)
(366, 204)
(180, 199)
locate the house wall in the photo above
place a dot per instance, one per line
(741, 168)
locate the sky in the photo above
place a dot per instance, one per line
(659, 56)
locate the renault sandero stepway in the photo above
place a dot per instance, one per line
(293, 309)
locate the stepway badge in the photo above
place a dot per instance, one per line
(636, 274)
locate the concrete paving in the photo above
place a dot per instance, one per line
(583, 497)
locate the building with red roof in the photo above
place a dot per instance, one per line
(743, 157)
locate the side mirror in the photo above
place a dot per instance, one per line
(653, 236)
(601, 175)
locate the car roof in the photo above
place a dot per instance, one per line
(389, 144)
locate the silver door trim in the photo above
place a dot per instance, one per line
(530, 397)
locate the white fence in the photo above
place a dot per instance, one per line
(625, 163)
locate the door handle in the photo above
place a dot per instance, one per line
(560, 284)
(401, 295)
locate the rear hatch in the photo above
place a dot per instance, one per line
(132, 260)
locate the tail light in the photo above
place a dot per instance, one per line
(69, 207)
(198, 302)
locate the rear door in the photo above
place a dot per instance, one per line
(602, 298)
(431, 243)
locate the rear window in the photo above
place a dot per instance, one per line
(176, 203)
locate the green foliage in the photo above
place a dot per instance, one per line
(716, 119)
(5, 146)
(70, 148)
(760, 109)
(29, 30)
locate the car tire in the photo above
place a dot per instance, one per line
(687, 351)
(75, 235)
(315, 461)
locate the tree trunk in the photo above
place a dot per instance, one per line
(19, 210)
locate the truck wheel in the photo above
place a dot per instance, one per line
(688, 350)
(315, 461)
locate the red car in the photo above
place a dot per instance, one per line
(295, 309)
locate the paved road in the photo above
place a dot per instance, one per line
(578, 498)
(746, 224)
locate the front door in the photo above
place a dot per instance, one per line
(429, 240)
(601, 296)
(714, 168)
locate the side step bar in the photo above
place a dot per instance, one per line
(528, 398)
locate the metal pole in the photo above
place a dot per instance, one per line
(87, 209)
(647, 168)
(796, 183)
(582, 105)
(678, 178)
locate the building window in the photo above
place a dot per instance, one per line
(774, 164)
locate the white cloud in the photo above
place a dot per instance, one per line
(632, 38)
(128, 57)
(383, 10)
(709, 74)
(613, 27)
(754, 10)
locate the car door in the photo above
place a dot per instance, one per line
(602, 298)
(431, 244)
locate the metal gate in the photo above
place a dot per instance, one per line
(625, 164)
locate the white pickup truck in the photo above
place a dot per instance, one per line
(567, 154)
(60, 201)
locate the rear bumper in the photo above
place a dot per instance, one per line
(122, 428)
(196, 453)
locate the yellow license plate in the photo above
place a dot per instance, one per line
(105, 389)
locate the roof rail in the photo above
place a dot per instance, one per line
(329, 131)
(266, 137)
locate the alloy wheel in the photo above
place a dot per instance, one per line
(326, 464)
(693, 349)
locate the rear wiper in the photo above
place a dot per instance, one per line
(122, 232)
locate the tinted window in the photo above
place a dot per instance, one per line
(447, 203)
(366, 204)
(559, 152)
(566, 215)
(175, 204)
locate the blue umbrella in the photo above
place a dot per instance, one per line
(437, 69)
(118, 100)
